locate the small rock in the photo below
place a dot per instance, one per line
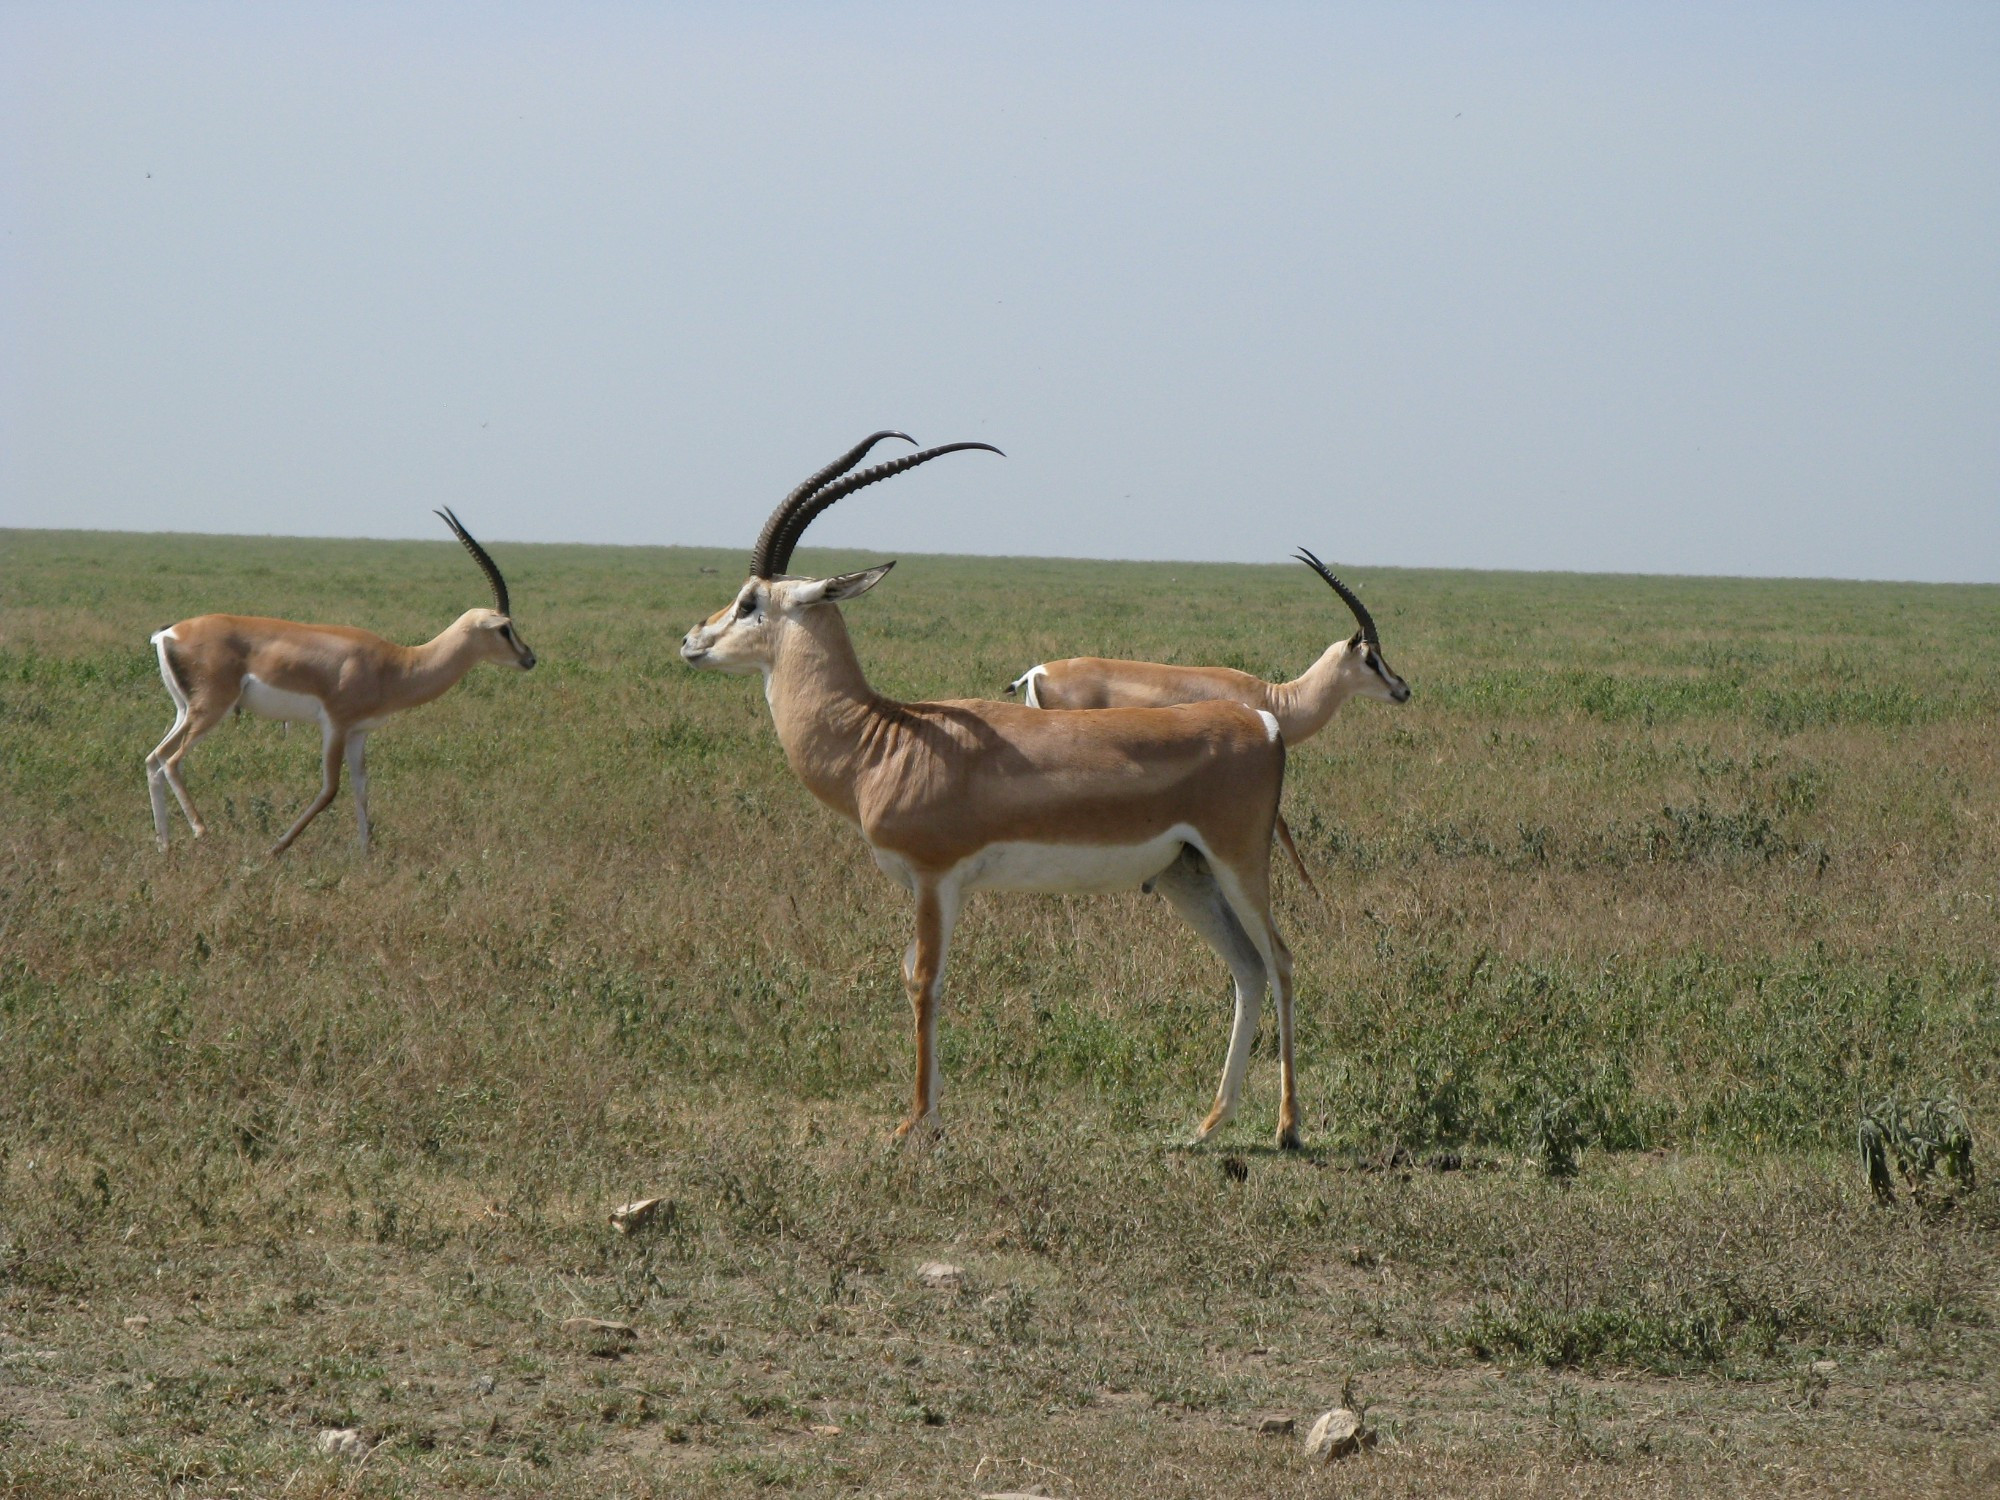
(823, 1429)
(343, 1442)
(599, 1328)
(484, 1385)
(1337, 1434)
(1825, 1366)
(138, 1323)
(941, 1274)
(1276, 1424)
(627, 1217)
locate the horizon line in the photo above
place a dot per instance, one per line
(281, 536)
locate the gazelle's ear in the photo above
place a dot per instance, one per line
(845, 586)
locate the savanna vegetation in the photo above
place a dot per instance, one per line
(1653, 894)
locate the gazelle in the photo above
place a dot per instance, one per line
(954, 797)
(1346, 669)
(347, 681)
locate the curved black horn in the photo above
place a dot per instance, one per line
(761, 565)
(802, 517)
(479, 556)
(1347, 595)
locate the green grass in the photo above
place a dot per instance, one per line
(1670, 879)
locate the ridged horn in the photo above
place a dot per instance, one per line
(1347, 595)
(761, 565)
(793, 526)
(479, 556)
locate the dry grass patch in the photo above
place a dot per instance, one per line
(1662, 880)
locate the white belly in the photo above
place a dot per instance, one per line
(1072, 867)
(267, 702)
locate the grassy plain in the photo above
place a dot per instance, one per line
(1684, 872)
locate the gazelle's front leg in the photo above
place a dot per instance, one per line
(923, 978)
(357, 772)
(334, 748)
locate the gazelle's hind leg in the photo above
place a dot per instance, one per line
(164, 764)
(923, 978)
(1190, 887)
(156, 774)
(1249, 895)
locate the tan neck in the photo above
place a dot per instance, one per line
(1304, 704)
(830, 721)
(434, 668)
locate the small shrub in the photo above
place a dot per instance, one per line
(1930, 1144)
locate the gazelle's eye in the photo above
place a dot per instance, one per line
(746, 607)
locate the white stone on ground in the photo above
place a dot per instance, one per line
(343, 1442)
(1336, 1434)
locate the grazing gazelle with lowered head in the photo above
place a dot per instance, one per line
(345, 680)
(960, 796)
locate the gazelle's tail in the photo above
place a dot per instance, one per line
(1024, 686)
(160, 638)
(1285, 838)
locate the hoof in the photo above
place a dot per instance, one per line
(923, 1130)
(1215, 1121)
(1288, 1139)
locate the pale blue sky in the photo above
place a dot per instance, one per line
(1678, 288)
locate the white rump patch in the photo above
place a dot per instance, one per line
(1270, 723)
(174, 688)
(1025, 685)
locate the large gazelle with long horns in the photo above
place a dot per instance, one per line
(954, 797)
(345, 680)
(1351, 668)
